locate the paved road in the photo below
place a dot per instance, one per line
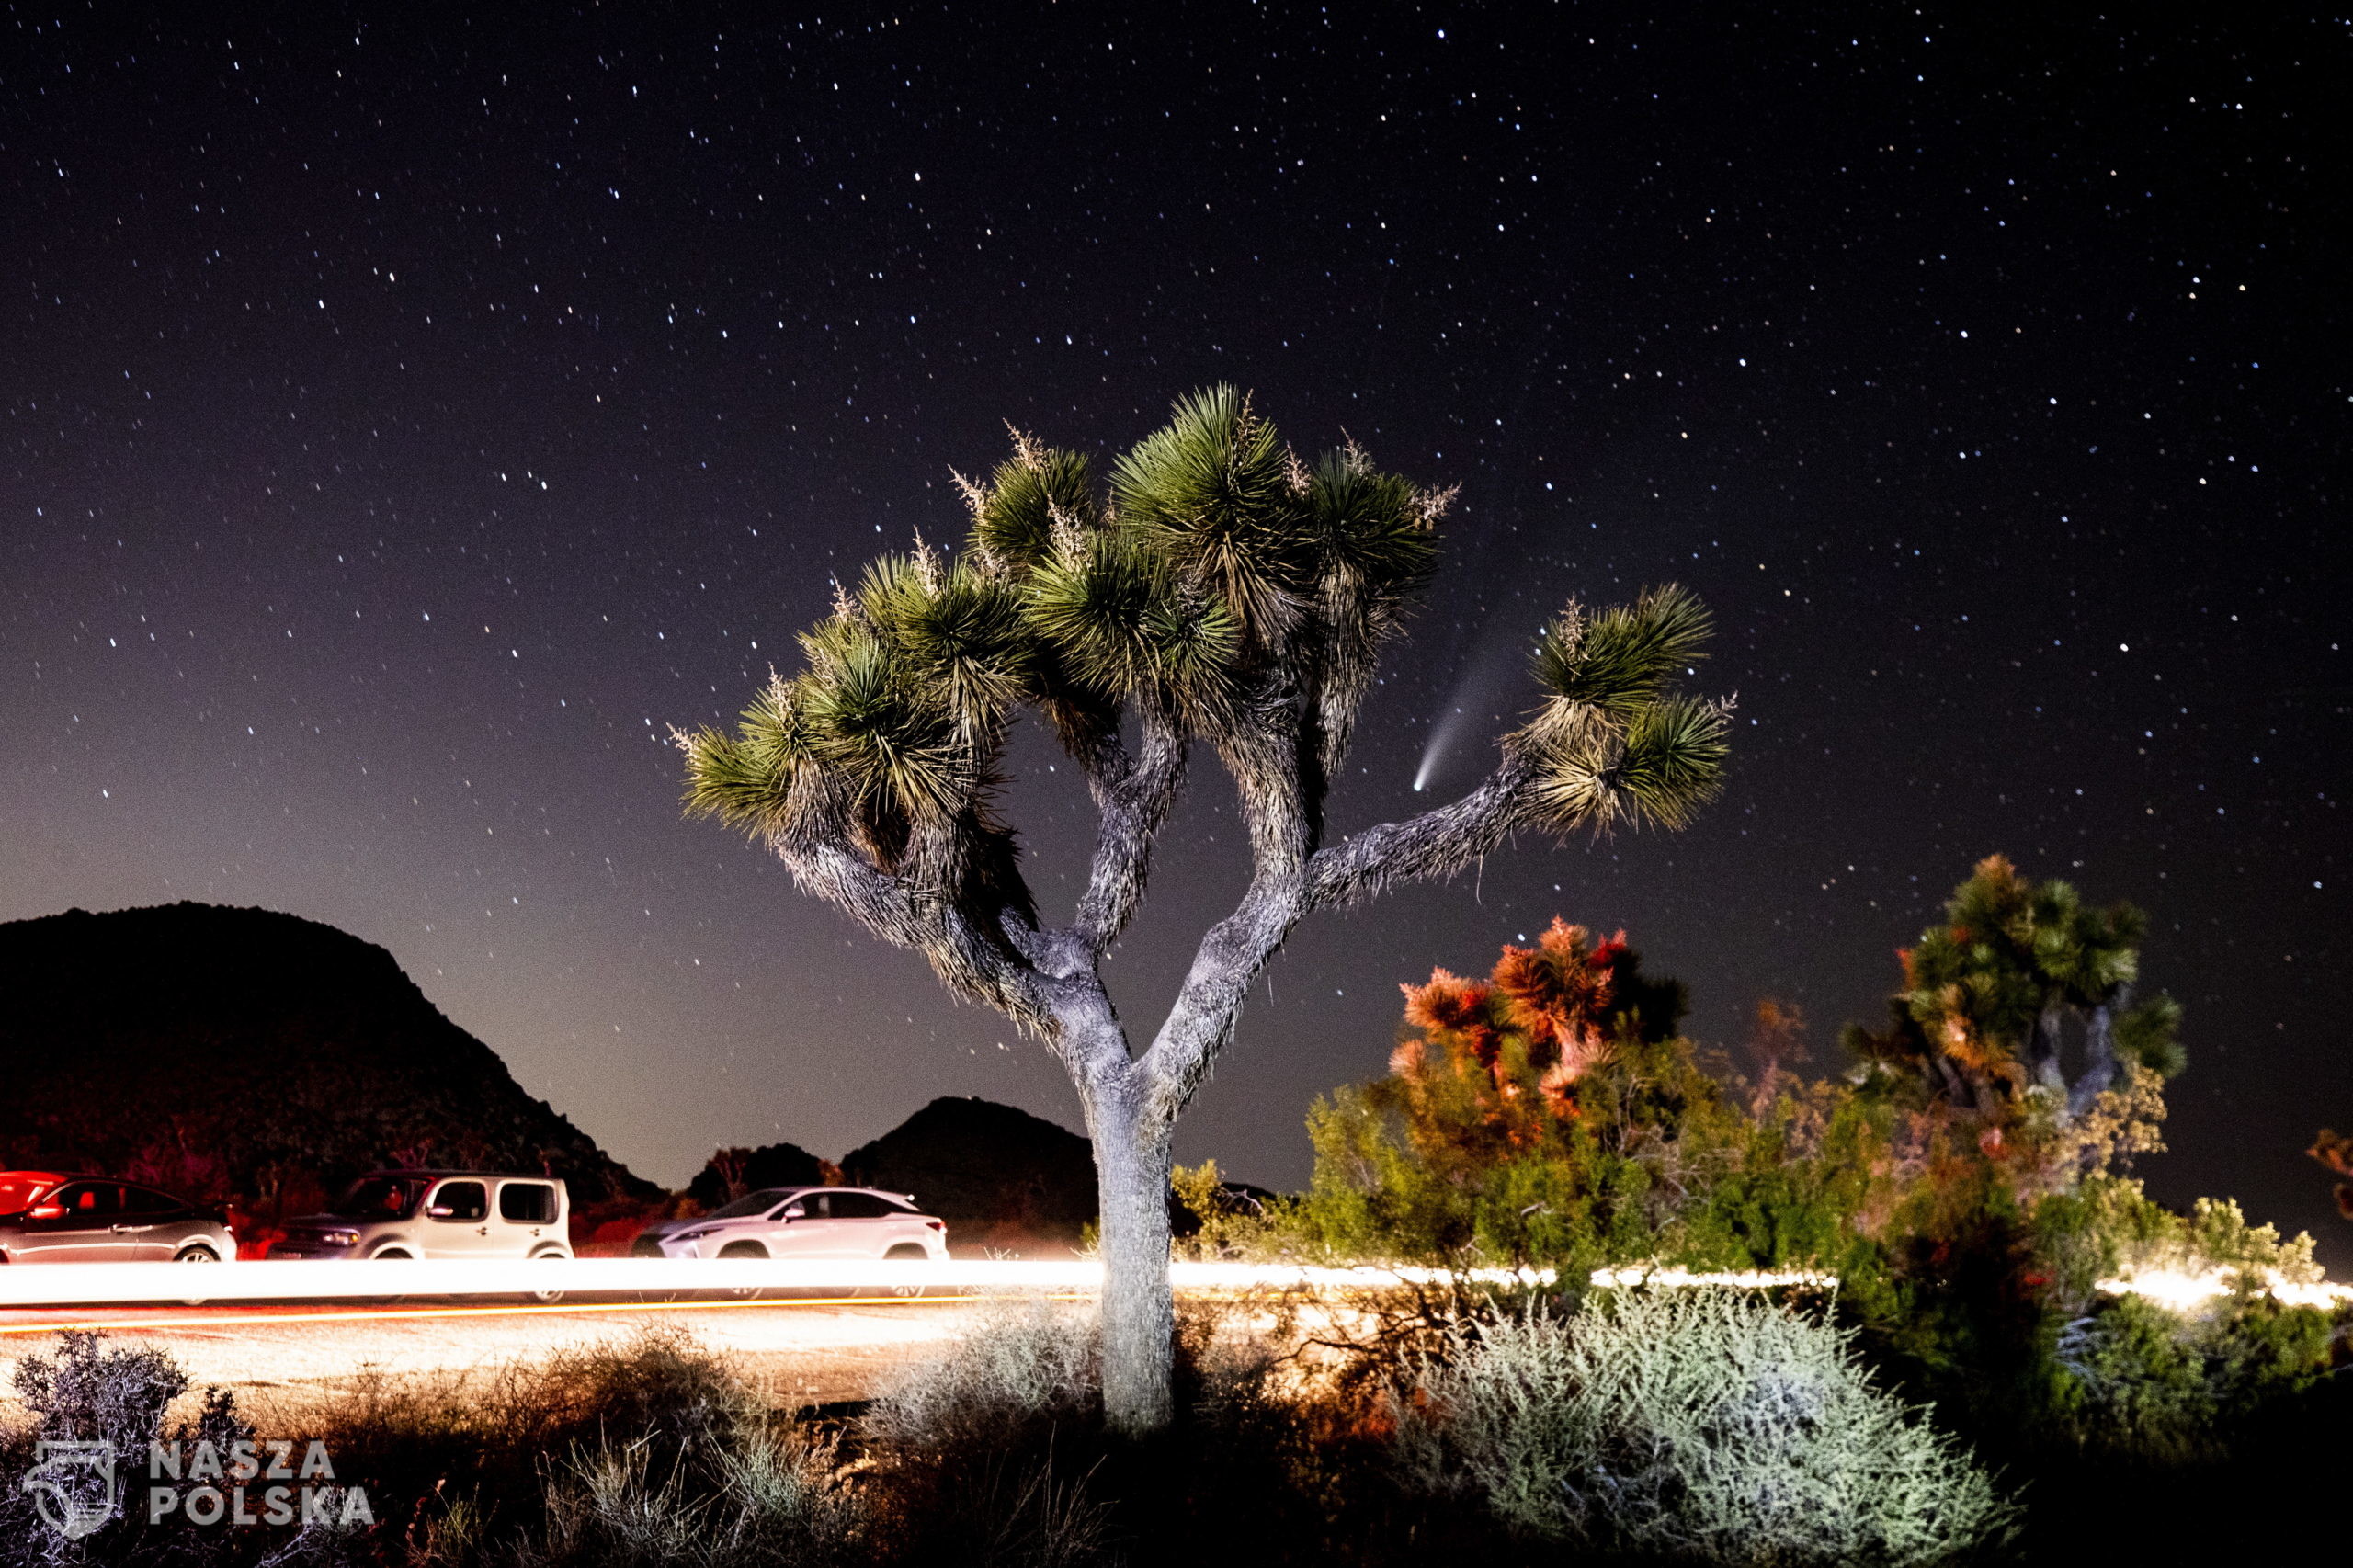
(284, 1360)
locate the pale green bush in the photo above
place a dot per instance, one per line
(1021, 1362)
(1700, 1424)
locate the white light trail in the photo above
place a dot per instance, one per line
(1684, 1279)
(2186, 1292)
(110, 1284)
(124, 1284)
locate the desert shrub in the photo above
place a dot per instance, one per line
(2170, 1385)
(644, 1449)
(83, 1395)
(1697, 1424)
(993, 1452)
(741, 1497)
(661, 1389)
(88, 1392)
(1022, 1367)
(987, 1451)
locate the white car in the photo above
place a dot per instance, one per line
(422, 1213)
(806, 1222)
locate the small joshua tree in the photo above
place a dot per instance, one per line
(1988, 994)
(1219, 590)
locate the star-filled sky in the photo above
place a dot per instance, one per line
(405, 418)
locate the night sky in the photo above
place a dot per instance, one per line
(408, 417)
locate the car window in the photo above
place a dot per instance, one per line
(378, 1198)
(749, 1204)
(811, 1205)
(91, 1200)
(463, 1200)
(527, 1203)
(147, 1201)
(858, 1205)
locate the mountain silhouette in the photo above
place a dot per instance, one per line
(996, 1174)
(253, 1057)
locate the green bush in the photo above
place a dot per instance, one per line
(2151, 1382)
(1698, 1423)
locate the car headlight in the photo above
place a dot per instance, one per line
(694, 1235)
(340, 1238)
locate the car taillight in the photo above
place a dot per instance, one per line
(936, 1224)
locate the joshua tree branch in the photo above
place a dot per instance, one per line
(1134, 794)
(972, 958)
(1437, 843)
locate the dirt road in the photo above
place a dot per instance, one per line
(283, 1360)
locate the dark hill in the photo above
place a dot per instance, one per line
(240, 1053)
(732, 1173)
(991, 1172)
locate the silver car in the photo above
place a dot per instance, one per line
(805, 1221)
(430, 1214)
(54, 1217)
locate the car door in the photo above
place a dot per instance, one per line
(456, 1220)
(858, 1225)
(83, 1228)
(151, 1224)
(800, 1228)
(525, 1221)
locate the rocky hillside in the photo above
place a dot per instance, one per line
(997, 1176)
(253, 1056)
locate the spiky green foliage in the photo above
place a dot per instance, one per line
(1220, 587)
(1223, 586)
(1215, 495)
(1034, 495)
(1614, 742)
(1622, 659)
(745, 779)
(2149, 1034)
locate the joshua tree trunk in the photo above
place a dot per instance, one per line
(2099, 1046)
(1139, 1313)
(2042, 1050)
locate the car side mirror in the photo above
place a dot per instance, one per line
(795, 1214)
(440, 1211)
(47, 1212)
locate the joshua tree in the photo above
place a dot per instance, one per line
(1219, 590)
(1987, 995)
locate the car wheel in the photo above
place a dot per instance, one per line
(196, 1255)
(548, 1298)
(744, 1249)
(910, 1255)
(393, 1254)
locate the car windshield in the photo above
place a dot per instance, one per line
(378, 1198)
(749, 1204)
(18, 1192)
